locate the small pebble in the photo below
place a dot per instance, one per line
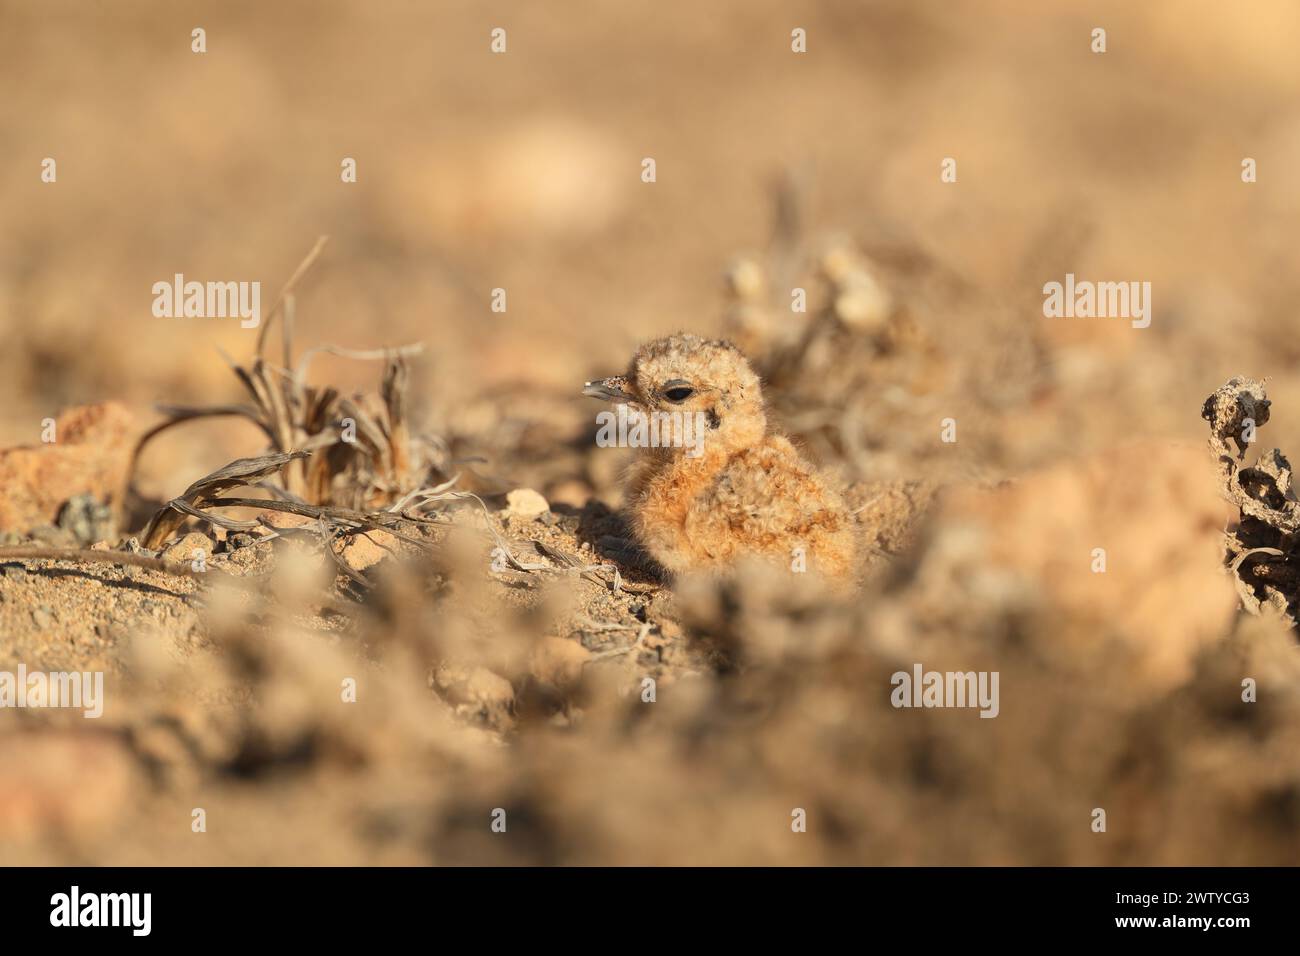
(188, 549)
(526, 503)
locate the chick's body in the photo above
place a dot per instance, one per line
(741, 490)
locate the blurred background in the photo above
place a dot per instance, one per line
(522, 171)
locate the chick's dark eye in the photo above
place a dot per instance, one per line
(678, 393)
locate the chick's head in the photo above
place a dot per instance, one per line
(707, 379)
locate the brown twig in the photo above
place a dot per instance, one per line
(89, 556)
(298, 273)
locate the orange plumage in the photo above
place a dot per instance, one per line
(744, 491)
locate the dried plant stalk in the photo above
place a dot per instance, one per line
(362, 451)
(243, 471)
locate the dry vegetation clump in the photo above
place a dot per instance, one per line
(1260, 548)
(865, 349)
(354, 452)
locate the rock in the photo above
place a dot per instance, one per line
(90, 455)
(283, 519)
(184, 549)
(526, 503)
(86, 519)
(366, 550)
(862, 304)
(43, 616)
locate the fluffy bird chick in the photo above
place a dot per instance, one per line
(737, 490)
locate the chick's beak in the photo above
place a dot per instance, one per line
(609, 389)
